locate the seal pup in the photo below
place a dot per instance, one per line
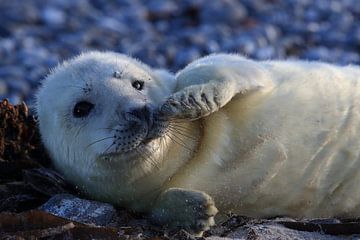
(257, 138)
(99, 120)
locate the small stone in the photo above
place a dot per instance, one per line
(265, 53)
(53, 16)
(161, 9)
(223, 12)
(14, 99)
(7, 46)
(212, 46)
(271, 33)
(80, 210)
(112, 24)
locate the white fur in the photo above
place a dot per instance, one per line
(286, 144)
(280, 137)
(75, 145)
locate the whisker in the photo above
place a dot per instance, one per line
(106, 129)
(118, 114)
(152, 160)
(113, 129)
(147, 157)
(178, 120)
(99, 141)
(112, 144)
(185, 132)
(141, 155)
(180, 126)
(179, 135)
(79, 130)
(182, 133)
(74, 86)
(162, 147)
(178, 141)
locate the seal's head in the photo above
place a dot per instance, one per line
(102, 106)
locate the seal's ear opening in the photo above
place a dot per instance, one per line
(166, 80)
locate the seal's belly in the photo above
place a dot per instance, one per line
(293, 150)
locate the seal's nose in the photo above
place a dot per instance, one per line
(143, 114)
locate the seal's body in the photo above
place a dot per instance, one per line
(288, 147)
(260, 138)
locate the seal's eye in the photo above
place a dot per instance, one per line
(82, 109)
(138, 85)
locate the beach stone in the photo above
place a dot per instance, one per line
(80, 210)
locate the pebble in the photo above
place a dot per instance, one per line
(80, 210)
(265, 53)
(53, 16)
(230, 12)
(37, 35)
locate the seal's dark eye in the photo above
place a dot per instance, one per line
(82, 109)
(138, 85)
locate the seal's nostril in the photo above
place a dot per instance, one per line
(143, 114)
(136, 113)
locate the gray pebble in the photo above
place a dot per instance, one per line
(265, 53)
(14, 98)
(223, 12)
(80, 210)
(53, 16)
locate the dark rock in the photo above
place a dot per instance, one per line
(325, 221)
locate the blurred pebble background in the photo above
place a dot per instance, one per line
(35, 35)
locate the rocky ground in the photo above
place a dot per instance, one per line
(35, 35)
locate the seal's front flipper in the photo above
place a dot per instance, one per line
(195, 101)
(190, 210)
(209, 83)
